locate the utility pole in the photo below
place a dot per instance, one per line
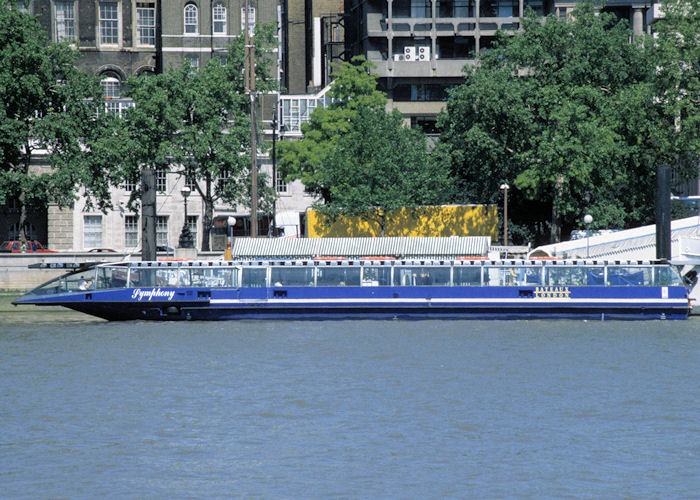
(250, 78)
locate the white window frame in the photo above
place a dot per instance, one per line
(64, 27)
(161, 180)
(218, 16)
(92, 238)
(111, 87)
(102, 24)
(131, 231)
(281, 186)
(192, 223)
(251, 20)
(145, 24)
(191, 19)
(162, 230)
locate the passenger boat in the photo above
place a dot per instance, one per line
(369, 288)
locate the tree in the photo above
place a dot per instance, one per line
(359, 159)
(197, 124)
(353, 89)
(379, 166)
(47, 107)
(564, 111)
(214, 142)
(675, 50)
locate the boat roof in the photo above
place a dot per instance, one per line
(636, 243)
(394, 247)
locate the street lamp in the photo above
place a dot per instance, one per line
(230, 222)
(504, 188)
(274, 170)
(186, 240)
(587, 219)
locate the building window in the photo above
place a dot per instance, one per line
(251, 20)
(219, 17)
(146, 23)
(65, 21)
(111, 87)
(280, 184)
(192, 60)
(14, 230)
(161, 180)
(92, 231)
(224, 178)
(162, 230)
(191, 19)
(129, 185)
(192, 226)
(109, 23)
(131, 231)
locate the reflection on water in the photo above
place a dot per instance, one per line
(462, 409)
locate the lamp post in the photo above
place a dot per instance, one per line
(230, 222)
(186, 240)
(587, 219)
(274, 171)
(504, 188)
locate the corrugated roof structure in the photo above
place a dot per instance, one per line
(396, 247)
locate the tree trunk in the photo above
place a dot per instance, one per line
(555, 232)
(23, 220)
(208, 200)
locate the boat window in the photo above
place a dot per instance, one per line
(573, 276)
(167, 277)
(666, 276)
(629, 276)
(376, 276)
(111, 277)
(143, 277)
(292, 276)
(211, 277)
(467, 276)
(253, 276)
(338, 276)
(422, 276)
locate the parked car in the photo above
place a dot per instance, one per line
(159, 249)
(33, 246)
(101, 250)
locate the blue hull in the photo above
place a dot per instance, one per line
(338, 303)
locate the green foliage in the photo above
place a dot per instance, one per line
(198, 124)
(379, 166)
(566, 112)
(359, 159)
(47, 107)
(675, 50)
(353, 88)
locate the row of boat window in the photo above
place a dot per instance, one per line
(389, 276)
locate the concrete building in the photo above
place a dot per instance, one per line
(421, 46)
(118, 39)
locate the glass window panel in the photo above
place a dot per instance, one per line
(65, 21)
(191, 19)
(292, 276)
(92, 230)
(467, 276)
(338, 276)
(109, 23)
(219, 15)
(131, 231)
(254, 277)
(422, 276)
(376, 276)
(146, 23)
(162, 230)
(629, 276)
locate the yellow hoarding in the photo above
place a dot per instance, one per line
(446, 220)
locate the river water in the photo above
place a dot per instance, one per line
(366, 409)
